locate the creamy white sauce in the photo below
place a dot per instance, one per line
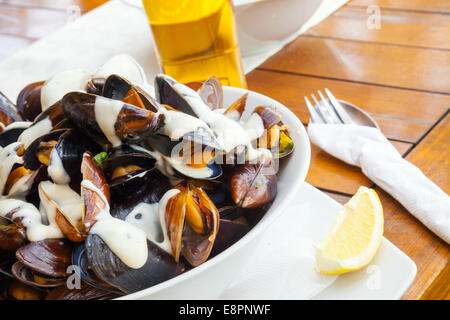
(125, 240)
(35, 131)
(128, 68)
(68, 201)
(162, 212)
(56, 169)
(177, 124)
(30, 218)
(8, 157)
(22, 186)
(61, 83)
(17, 125)
(106, 112)
(229, 133)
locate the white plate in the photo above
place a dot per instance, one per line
(389, 274)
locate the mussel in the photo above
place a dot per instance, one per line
(276, 136)
(110, 120)
(118, 88)
(253, 185)
(191, 221)
(8, 112)
(29, 101)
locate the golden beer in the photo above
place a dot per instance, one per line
(196, 39)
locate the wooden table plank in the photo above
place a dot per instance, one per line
(327, 172)
(402, 114)
(411, 5)
(440, 288)
(397, 27)
(411, 68)
(432, 154)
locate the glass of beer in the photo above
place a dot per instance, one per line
(196, 39)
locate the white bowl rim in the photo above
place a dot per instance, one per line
(261, 225)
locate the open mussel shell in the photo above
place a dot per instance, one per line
(79, 260)
(148, 189)
(276, 136)
(169, 91)
(50, 257)
(29, 101)
(69, 151)
(8, 112)
(118, 88)
(27, 276)
(93, 202)
(124, 164)
(253, 184)
(38, 152)
(211, 93)
(12, 132)
(159, 266)
(192, 222)
(132, 124)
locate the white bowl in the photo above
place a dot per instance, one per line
(209, 280)
(263, 24)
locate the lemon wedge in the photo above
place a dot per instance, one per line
(355, 235)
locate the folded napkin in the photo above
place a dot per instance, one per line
(282, 266)
(368, 148)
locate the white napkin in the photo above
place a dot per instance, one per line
(368, 148)
(282, 266)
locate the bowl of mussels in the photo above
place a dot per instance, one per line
(115, 188)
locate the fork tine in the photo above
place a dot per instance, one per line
(329, 108)
(318, 109)
(343, 115)
(314, 117)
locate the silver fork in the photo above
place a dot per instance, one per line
(328, 111)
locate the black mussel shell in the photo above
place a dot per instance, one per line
(229, 233)
(10, 135)
(150, 189)
(79, 260)
(160, 266)
(8, 112)
(30, 157)
(95, 86)
(29, 101)
(133, 124)
(125, 156)
(27, 276)
(118, 88)
(71, 146)
(85, 292)
(167, 94)
(54, 113)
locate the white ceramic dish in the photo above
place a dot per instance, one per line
(388, 275)
(264, 24)
(220, 270)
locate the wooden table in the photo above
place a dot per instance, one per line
(399, 73)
